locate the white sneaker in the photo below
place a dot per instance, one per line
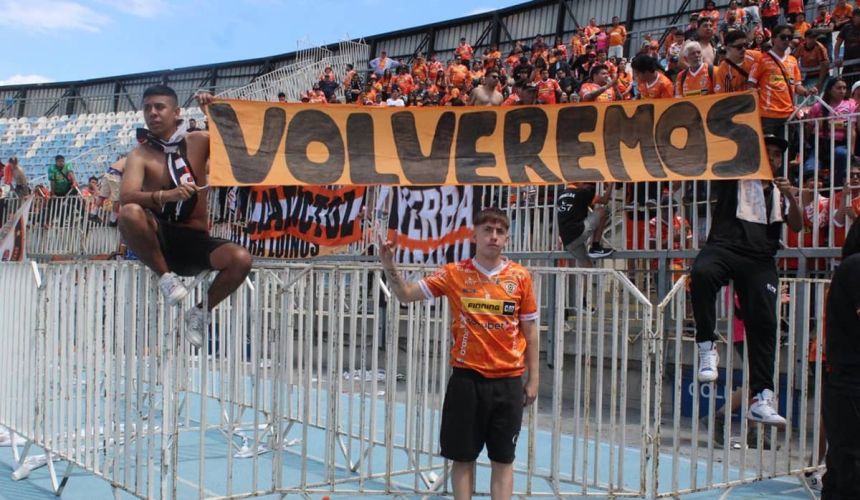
(763, 409)
(708, 361)
(195, 326)
(172, 288)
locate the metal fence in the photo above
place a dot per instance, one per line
(314, 379)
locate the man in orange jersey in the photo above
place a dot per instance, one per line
(734, 70)
(602, 87)
(813, 59)
(617, 37)
(458, 74)
(495, 341)
(651, 82)
(697, 79)
(841, 14)
(776, 75)
(548, 89)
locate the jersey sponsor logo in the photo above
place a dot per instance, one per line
(510, 287)
(489, 306)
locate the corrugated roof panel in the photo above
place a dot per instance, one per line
(527, 24)
(449, 38)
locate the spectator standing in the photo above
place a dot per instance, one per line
(458, 74)
(548, 89)
(485, 395)
(849, 36)
(752, 13)
(487, 93)
(328, 84)
(109, 188)
(738, 11)
(592, 30)
(705, 37)
(744, 238)
(770, 11)
(61, 177)
(464, 51)
(617, 38)
(793, 8)
(192, 125)
(814, 62)
(698, 78)
(841, 15)
(710, 12)
(776, 75)
(22, 187)
(382, 63)
(732, 23)
(734, 70)
(651, 82)
(842, 389)
(800, 24)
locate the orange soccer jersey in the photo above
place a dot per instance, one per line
(607, 96)
(775, 93)
(698, 82)
(662, 88)
(486, 310)
(728, 79)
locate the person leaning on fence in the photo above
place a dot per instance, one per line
(744, 237)
(842, 389)
(164, 215)
(849, 40)
(495, 340)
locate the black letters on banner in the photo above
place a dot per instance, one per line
(572, 122)
(520, 155)
(417, 168)
(720, 123)
(362, 155)
(638, 129)
(249, 169)
(468, 160)
(314, 126)
(692, 159)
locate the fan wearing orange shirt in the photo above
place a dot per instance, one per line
(776, 76)
(697, 78)
(734, 70)
(602, 87)
(458, 74)
(710, 12)
(404, 81)
(841, 14)
(592, 29)
(548, 89)
(794, 8)
(495, 341)
(420, 70)
(577, 44)
(617, 37)
(651, 82)
(464, 51)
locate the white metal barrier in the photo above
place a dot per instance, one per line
(685, 411)
(312, 380)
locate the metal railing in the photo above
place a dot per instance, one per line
(313, 379)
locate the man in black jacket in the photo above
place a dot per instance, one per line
(842, 387)
(742, 244)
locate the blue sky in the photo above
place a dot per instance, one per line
(58, 40)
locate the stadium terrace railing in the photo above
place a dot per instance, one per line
(313, 380)
(685, 411)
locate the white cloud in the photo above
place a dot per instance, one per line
(24, 79)
(50, 15)
(479, 10)
(141, 8)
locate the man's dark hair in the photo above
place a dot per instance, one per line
(161, 90)
(643, 63)
(782, 27)
(93, 178)
(59, 157)
(734, 36)
(702, 20)
(493, 214)
(281, 94)
(597, 68)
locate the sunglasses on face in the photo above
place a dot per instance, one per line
(785, 38)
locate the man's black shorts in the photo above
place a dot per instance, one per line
(479, 410)
(186, 250)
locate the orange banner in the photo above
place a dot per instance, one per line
(705, 137)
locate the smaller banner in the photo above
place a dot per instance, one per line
(433, 225)
(297, 222)
(13, 234)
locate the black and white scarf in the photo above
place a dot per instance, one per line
(180, 173)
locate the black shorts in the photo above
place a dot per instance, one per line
(186, 251)
(478, 411)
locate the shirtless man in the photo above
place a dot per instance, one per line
(487, 94)
(164, 219)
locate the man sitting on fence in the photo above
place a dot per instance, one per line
(164, 216)
(744, 238)
(495, 340)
